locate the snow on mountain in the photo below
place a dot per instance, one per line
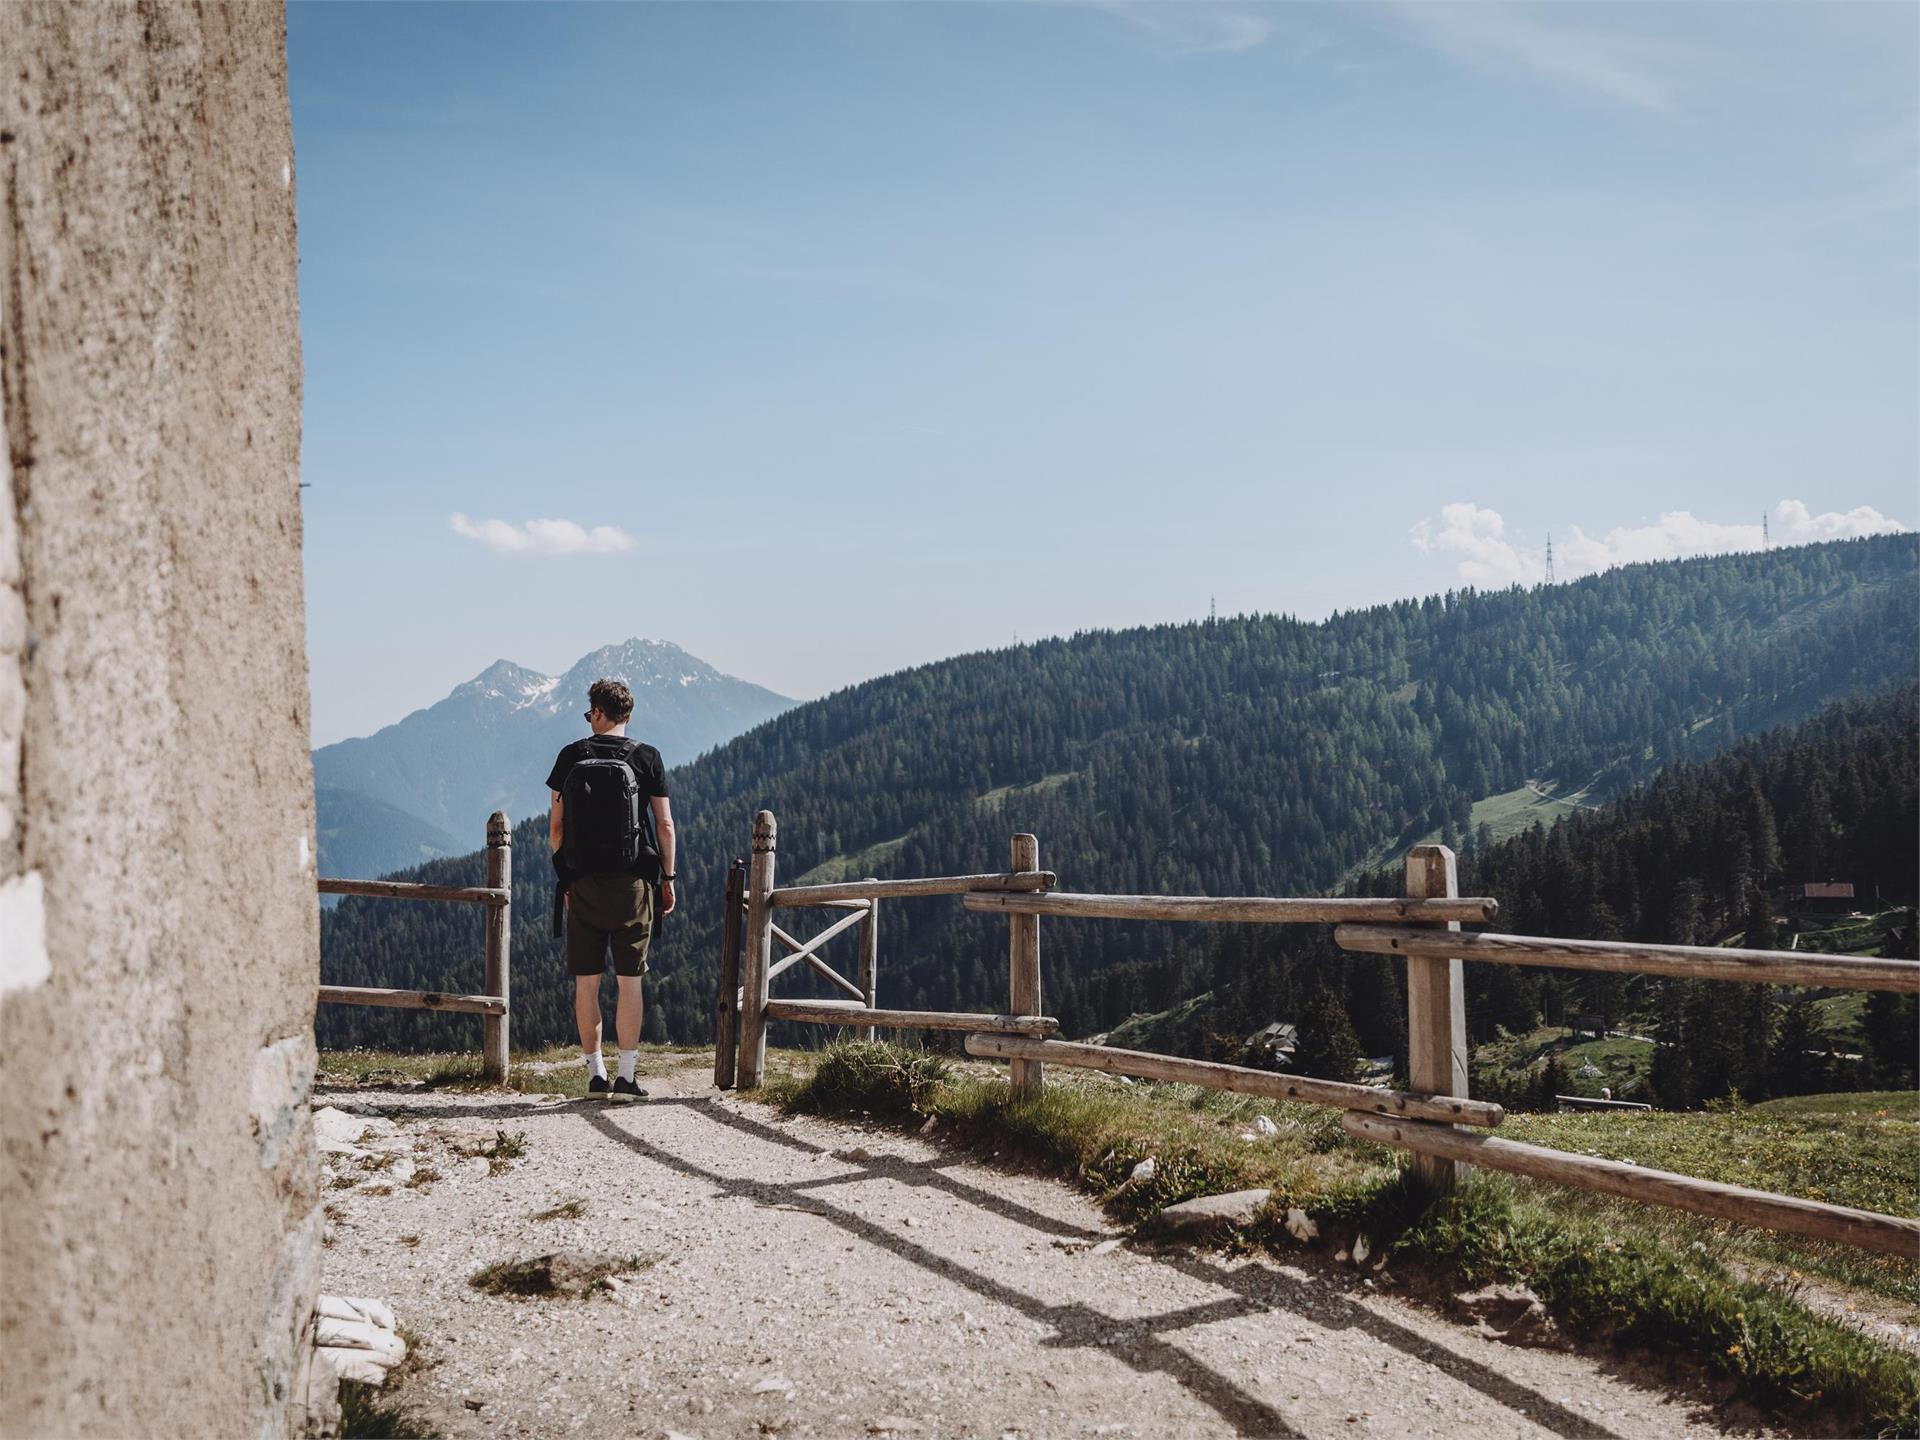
(489, 743)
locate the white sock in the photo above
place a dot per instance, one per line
(628, 1058)
(596, 1067)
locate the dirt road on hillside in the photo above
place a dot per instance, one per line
(810, 1278)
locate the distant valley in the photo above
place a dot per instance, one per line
(424, 786)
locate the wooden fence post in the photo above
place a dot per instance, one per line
(869, 972)
(726, 1008)
(758, 956)
(1023, 984)
(499, 980)
(1436, 1008)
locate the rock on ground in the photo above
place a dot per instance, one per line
(1211, 1217)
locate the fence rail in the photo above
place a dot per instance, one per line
(407, 890)
(1621, 957)
(1421, 927)
(1890, 1234)
(860, 890)
(1244, 909)
(494, 1003)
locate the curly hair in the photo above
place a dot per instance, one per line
(611, 699)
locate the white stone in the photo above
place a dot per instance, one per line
(23, 933)
(1300, 1225)
(1264, 1127)
(336, 1126)
(1143, 1172)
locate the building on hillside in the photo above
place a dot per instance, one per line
(1272, 1048)
(1833, 899)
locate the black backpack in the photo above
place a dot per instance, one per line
(606, 824)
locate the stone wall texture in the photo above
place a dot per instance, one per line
(159, 1221)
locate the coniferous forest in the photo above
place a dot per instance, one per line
(1700, 856)
(1249, 755)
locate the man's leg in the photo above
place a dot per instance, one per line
(629, 946)
(586, 1015)
(630, 1011)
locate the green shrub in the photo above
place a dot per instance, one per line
(884, 1080)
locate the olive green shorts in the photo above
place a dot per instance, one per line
(609, 912)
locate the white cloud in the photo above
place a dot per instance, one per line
(543, 537)
(1490, 557)
(1792, 520)
(1191, 27)
(1481, 537)
(1537, 42)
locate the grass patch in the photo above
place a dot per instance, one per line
(1631, 1289)
(1092, 1127)
(501, 1151)
(551, 1276)
(371, 1412)
(555, 1070)
(368, 1414)
(1860, 1149)
(1634, 1276)
(567, 1210)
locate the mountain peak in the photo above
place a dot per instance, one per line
(643, 665)
(503, 680)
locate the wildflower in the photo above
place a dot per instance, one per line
(1733, 1349)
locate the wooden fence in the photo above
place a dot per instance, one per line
(1422, 927)
(493, 1002)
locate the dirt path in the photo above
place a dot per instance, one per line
(815, 1279)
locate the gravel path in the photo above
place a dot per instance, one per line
(815, 1279)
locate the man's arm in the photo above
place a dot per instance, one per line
(553, 824)
(663, 830)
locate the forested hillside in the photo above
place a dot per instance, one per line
(1693, 859)
(1250, 755)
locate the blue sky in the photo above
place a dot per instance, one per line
(828, 339)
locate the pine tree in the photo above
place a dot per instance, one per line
(1793, 1067)
(1551, 1084)
(1761, 933)
(1893, 1044)
(1328, 1047)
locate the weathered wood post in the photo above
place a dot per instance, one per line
(759, 955)
(726, 1007)
(1436, 1007)
(1023, 984)
(869, 972)
(499, 929)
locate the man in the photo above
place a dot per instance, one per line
(607, 865)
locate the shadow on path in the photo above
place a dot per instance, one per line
(1139, 1341)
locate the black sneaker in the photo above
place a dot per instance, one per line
(625, 1092)
(597, 1085)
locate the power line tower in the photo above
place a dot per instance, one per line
(1766, 534)
(1213, 609)
(1549, 557)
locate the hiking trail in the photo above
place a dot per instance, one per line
(809, 1277)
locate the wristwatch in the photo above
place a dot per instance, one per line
(665, 878)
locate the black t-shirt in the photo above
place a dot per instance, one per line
(644, 759)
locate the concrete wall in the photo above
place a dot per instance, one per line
(159, 1225)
